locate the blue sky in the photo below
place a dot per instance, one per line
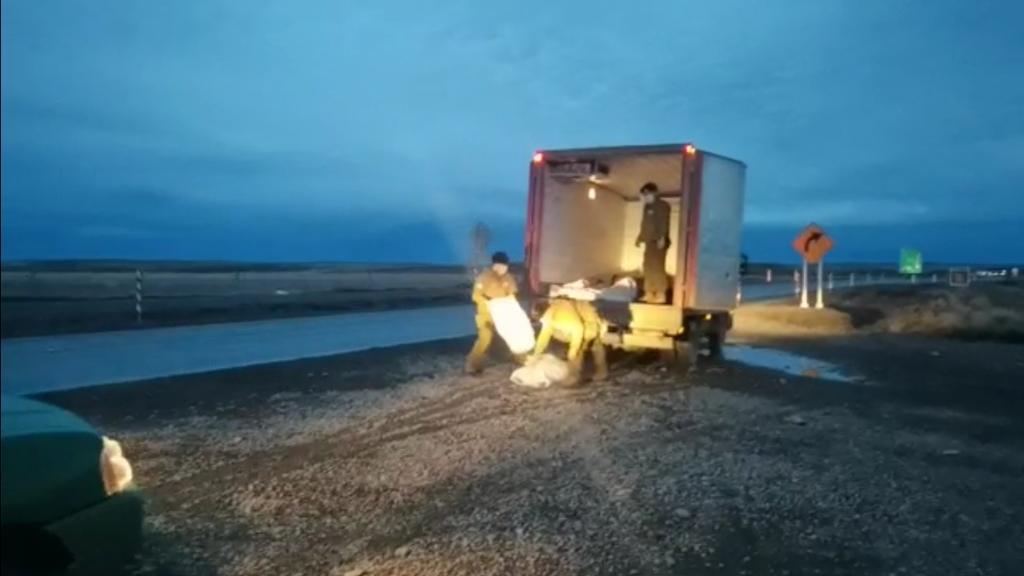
(380, 131)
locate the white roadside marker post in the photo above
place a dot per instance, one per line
(803, 287)
(821, 298)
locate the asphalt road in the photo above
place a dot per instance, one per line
(41, 364)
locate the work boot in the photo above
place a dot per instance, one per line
(573, 381)
(472, 369)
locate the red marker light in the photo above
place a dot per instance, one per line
(690, 149)
(538, 158)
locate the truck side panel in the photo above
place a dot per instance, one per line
(720, 224)
(533, 223)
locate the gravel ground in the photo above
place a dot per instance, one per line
(392, 462)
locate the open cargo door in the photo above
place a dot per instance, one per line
(713, 193)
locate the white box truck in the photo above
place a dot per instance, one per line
(583, 217)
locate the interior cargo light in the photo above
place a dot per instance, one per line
(538, 157)
(690, 149)
(592, 192)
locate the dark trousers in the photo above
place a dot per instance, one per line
(655, 277)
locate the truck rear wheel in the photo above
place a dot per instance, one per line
(694, 337)
(715, 341)
(687, 348)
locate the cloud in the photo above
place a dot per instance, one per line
(847, 113)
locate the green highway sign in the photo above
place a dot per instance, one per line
(910, 261)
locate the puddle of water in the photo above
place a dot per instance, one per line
(786, 362)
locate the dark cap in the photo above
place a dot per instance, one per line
(649, 188)
(499, 258)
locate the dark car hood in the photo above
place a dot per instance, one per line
(22, 416)
(50, 462)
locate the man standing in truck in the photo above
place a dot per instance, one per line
(495, 282)
(654, 229)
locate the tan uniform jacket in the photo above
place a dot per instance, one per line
(490, 285)
(566, 316)
(655, 223)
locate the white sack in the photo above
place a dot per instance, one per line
(512, 324)
(547, 370)
(624, 290)
(578, 290)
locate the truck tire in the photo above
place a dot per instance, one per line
(694, 339)
(716, 339)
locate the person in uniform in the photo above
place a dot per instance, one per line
(579, 325)
(495, 282)
(654, 236)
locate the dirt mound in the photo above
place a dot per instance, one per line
(987, 312)
(779, 319)
(982, 313)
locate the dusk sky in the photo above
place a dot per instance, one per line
(380, 131)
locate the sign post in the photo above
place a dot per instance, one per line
(812, 244)
(803, 286)
(821, 299)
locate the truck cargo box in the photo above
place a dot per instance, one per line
(584, 215)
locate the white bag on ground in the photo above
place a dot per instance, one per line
(512, 324)
(547, 370)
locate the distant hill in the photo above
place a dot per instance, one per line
(115, 265)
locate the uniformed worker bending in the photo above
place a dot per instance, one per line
(495, 282)
(579, 325)
(654, 230)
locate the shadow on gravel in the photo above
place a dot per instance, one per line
(570, 515)
(924, 390)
